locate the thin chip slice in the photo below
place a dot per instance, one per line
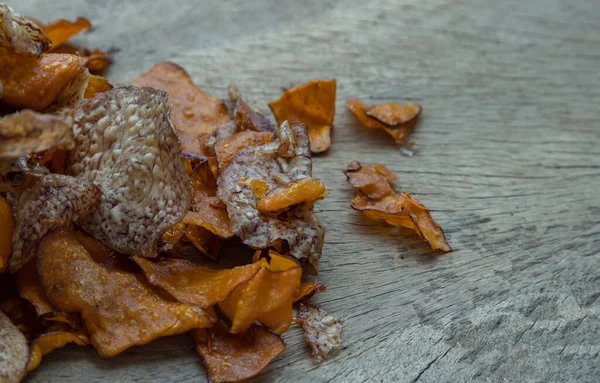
(193, 284)
(120, 309)
(127, 147)
(398, 120)
(51, 341)
(95, 60)
(267, 297)
(377, 200)
(312, 104)
(19, 35)
(205, 241)
(228, 147)
(31, 132)
(14, 353)
(96, 84)
(7, 224)
(71, 94)
(305, 190)
(62, 30)
(171, 237)
(306, 290)
(248, 118)
(54, 202)
(322, 331)
(192, 111)
(236, 357)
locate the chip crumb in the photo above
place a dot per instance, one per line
(322, 331)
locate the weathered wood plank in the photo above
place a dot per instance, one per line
(507, 159)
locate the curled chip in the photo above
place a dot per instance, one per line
(228, 147)
(377, 200)
(62, 30)
(120, 309)
(54, 202)
(321, 331)
(19, 35)
(193, 284)
(96, 84)
(305, 190)
(398, 120)
(306, 290)
(126, 146)
(52, 340)
(193, 112)
(7, 224)
(14, 353)
(236, 357)
(248, 118)
(312, 104)
(267, 297)
(31, 132)
(268, 167)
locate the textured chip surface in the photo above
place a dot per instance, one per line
(14, 352)
(322, 331)
(21, 35)
(126, 145)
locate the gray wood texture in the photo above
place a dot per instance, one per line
(508, 160)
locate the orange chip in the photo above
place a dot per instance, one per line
(7, 223)
(192, 111)
(62, 30)
(96, 84)
(205, 241)
(267, 297)
(120, 309)
(96, 61)
(228, 147)
(378, 201)
(300, 191)
(398, 120)
(236, 357)
(313, 104)
(193, 284)
(306, 290)
(171, 237)
(50, 341)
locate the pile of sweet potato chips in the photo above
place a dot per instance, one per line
(116, 203)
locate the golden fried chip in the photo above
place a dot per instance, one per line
(96, 84)
(312, 104)
(377, 200)
(193, 284)
(62, 30)
(96, 61)
(228, 147)
(19, 35)
(267, 297)
(305, 190)
(133, 157)
(50, 341)
(398, 120)
(171, 237)
(120, 309)
(321, 331)
(306, 290)
(236, 357)
(205, 241)
(7, 224)
(192, 111)
(14, 353)
(275, 165)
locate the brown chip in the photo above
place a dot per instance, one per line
(321, 331)
(120, 309)
(62, 30)
(275, 164)
(313, 104)
(20, 35)
(127, 147)
(54, 202)
(14, 353)
(193, 112)
(7, 224)
(28, 132)
(96, 84)
(371, 180)
(248, 118)
(228, 147)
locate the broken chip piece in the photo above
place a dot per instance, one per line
(377, 200)
(322, 331)
(96, 84)
(306, 290)
(300, 191)
(62, 30)
(19, 35)
(14, 353)
(236, 357)
(313, 104)
(51, 340)
(398, 120)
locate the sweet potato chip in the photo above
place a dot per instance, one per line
(312, 104)
(321, 330)
(236, 357)
(193, 284)
(305, 190)
(192, 111)
(19, 35)
(22, 314)
(96, 60)
(14, 353)
(120, 309)
(54, 202)
(127, 147)
(62, 30)
(228, 147)
(306, 290)
(171, 237)
(7, 224)
(96, 84)
(248, 118)
(398, 120)
(49, 342)
(378, 201)
(205, 241)
(267, 297)
(275, 164)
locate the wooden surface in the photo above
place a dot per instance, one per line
(507, 159)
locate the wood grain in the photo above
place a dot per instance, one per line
(507, 159)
